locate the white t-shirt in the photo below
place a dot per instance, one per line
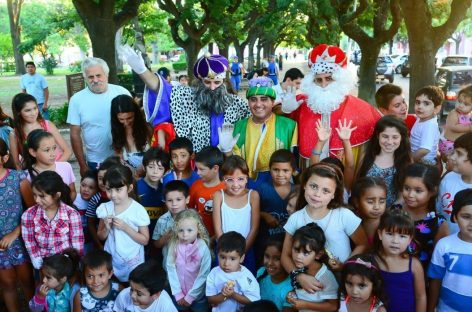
(245, 284)
(91, 111)
(127, 254)
(425, 134)
(124, 303)
(329, 291)
(337, 225)
(450, 185)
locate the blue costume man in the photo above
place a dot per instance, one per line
(237, 71)
(196, 112)
(273, 70)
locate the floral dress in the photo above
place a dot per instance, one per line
(425, 232)
(10, 217)
(386, 174)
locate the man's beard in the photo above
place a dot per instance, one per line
(325, 100)
(211, 101)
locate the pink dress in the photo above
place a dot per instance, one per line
(447, 146)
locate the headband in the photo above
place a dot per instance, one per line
(367, 264)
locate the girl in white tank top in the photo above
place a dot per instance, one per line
(236, 208)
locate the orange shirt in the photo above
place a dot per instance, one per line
(201, 198)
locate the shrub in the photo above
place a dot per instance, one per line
(49, 64)
(179, 66)
(58, 115)
(126, 81)
(75, 67)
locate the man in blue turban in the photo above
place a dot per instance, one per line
(196, 112)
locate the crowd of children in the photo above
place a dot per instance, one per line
(395, 235)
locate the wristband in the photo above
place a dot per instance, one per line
(293, 277)
(315, 153)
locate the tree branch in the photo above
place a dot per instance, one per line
(458, 10)
(127, 12)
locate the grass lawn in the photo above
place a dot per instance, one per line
(10, 85)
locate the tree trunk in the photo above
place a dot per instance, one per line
(102, 19)
(457, 41)
(139, 42)
(192, 48)
(102, 35)
(422, 66)
(423, 48)
(250, 57)
(224, 51)
(258, 55)
(14, 10)
(367, 73)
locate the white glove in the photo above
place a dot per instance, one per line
(289, 101)
(37, 263)
(226, 139)
(133, 59)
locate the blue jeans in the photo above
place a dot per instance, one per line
(236, 81)
(44, 114)
(93, 165)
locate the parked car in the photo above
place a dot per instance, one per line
(457, 60)
(385, 68)
(398, 60)
(451, 79)
(405, 68)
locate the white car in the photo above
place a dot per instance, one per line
(398, 60)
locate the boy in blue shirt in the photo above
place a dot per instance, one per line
(181, 153)
(450, 271)
(149, 189)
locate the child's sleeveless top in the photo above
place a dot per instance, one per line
(400, 289)
(236, 219)
(374, 307)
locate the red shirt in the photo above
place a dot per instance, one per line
(410, 121)
(201, 198)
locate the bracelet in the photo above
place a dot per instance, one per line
(315, 153)
(293, 277)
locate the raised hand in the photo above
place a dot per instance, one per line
(324, 133)
(226, 139)
(133, 59)
(289, 100)
(344, 129)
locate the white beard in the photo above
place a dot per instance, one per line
(325, 100)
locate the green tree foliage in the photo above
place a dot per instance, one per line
(320, 25)
(371, 24)
(6, 48)
(49, 27)
(189, 22)
(102, 19)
